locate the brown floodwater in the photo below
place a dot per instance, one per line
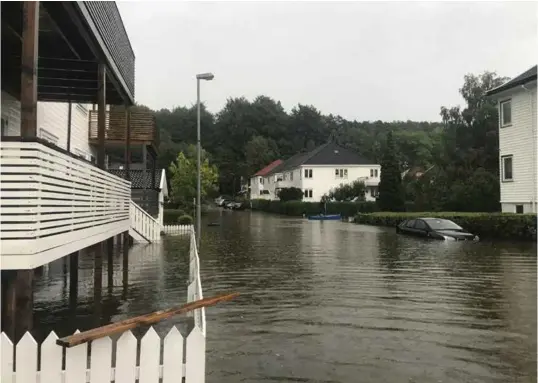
(324, 302)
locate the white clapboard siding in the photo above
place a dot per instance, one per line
(66, 204)
(76, 370)
(145, 227)
(178, 229)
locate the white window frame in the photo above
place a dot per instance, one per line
(503, 158)
(308, 173)
(501, 113)
(340, 173)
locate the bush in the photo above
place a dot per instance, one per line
(298, 208)
(290, 194)
(171, 216)
(185, 220)
(485, 225)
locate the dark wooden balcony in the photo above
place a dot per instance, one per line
(143, 130)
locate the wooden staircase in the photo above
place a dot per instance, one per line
(143, 227)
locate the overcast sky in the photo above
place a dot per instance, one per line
(361, 60)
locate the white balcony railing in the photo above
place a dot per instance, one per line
(53, 204)
(136, 360)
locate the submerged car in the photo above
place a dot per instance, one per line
(435, 228)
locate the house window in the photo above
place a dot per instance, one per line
(376, 173)
(308, 193)
(48, 136)
(519, 209)
(308, 173)
(506, 113)
(371, 172)
(340, 173)
(291, 176)
(262, 181)
(4, 126)
(507, 168)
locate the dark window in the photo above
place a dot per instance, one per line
(519, 209)
(507, 168)
(443, 224)
(371, 172)
(410, 223)
(506, 113)
(376, 173)
(421, 225)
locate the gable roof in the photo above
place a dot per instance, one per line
(268, 168)
(138, 180)
(326, 154)
(525, 77)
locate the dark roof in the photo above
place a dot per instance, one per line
(523, 78)
(268, 168)
(138, 181)
(326, 154)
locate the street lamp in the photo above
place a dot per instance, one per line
(207, 77)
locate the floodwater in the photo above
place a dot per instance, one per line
(325, 302)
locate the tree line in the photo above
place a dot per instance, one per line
(461, 151)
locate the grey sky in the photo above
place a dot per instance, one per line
(362, 60)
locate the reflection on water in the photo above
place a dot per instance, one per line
(329, 302)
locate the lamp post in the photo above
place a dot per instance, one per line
(207, 77)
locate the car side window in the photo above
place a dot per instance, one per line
(421, 225)
(410, 223)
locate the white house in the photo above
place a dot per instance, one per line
(517, 142)
(259, 185)
(317, 172)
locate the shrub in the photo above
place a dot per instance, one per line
(290, 194)
(171, 216)
(298, 208)
(485, 225)
(185, 220)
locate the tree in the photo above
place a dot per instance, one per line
(347, 192)
(290, 194)
(260, 152)
(184, 177)
(390, 186)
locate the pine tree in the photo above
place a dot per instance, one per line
(390, 187)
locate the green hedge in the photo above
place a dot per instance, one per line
(485, 225)
(298, 208)
(171, 216)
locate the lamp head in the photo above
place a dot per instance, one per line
(205, 76)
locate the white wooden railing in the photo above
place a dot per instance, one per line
(54, 204)
(143, 224)
(19, 364)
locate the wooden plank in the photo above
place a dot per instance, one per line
(51, 360)
(6, 363)
(26, 360)
(150, 353)
(195, 358)
(126, 358)
(173, 356)
(101, 360)
(76, 359)
(29, 55)
(147, 319)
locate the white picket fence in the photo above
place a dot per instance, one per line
(159, 358)
(178, 229)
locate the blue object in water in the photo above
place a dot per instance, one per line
(330, 217)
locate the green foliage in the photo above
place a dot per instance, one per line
(185, 220)
(171, 216)
(391, 193)
(485, 225)
(184, 177)
(298, 208)
(347, 192)
(290, 194)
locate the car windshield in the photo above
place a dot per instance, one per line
(442, 224)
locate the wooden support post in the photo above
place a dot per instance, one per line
(144, 175)
(30, 42)
(128, 144)
(100, 249)
(110, 264)
(24, 290)
(73, 280)
(101, 115)
(69, 113)
(9, 303)
(125, 269)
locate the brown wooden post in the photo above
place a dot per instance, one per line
(125, 269)
(73, 280)
(145, 177)
(24, 289)
(110, 264)
(98, 281)
(30, 42)
(127, 144)
(9, 304)
(101, 115)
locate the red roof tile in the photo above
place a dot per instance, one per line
(268, 168)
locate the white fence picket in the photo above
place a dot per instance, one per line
(126, 358)
(101, 360)
(150, 354)
(173, 356)
(76, 359)
(26, 360)
(6, 365)
(51, 360)
(195, 358)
